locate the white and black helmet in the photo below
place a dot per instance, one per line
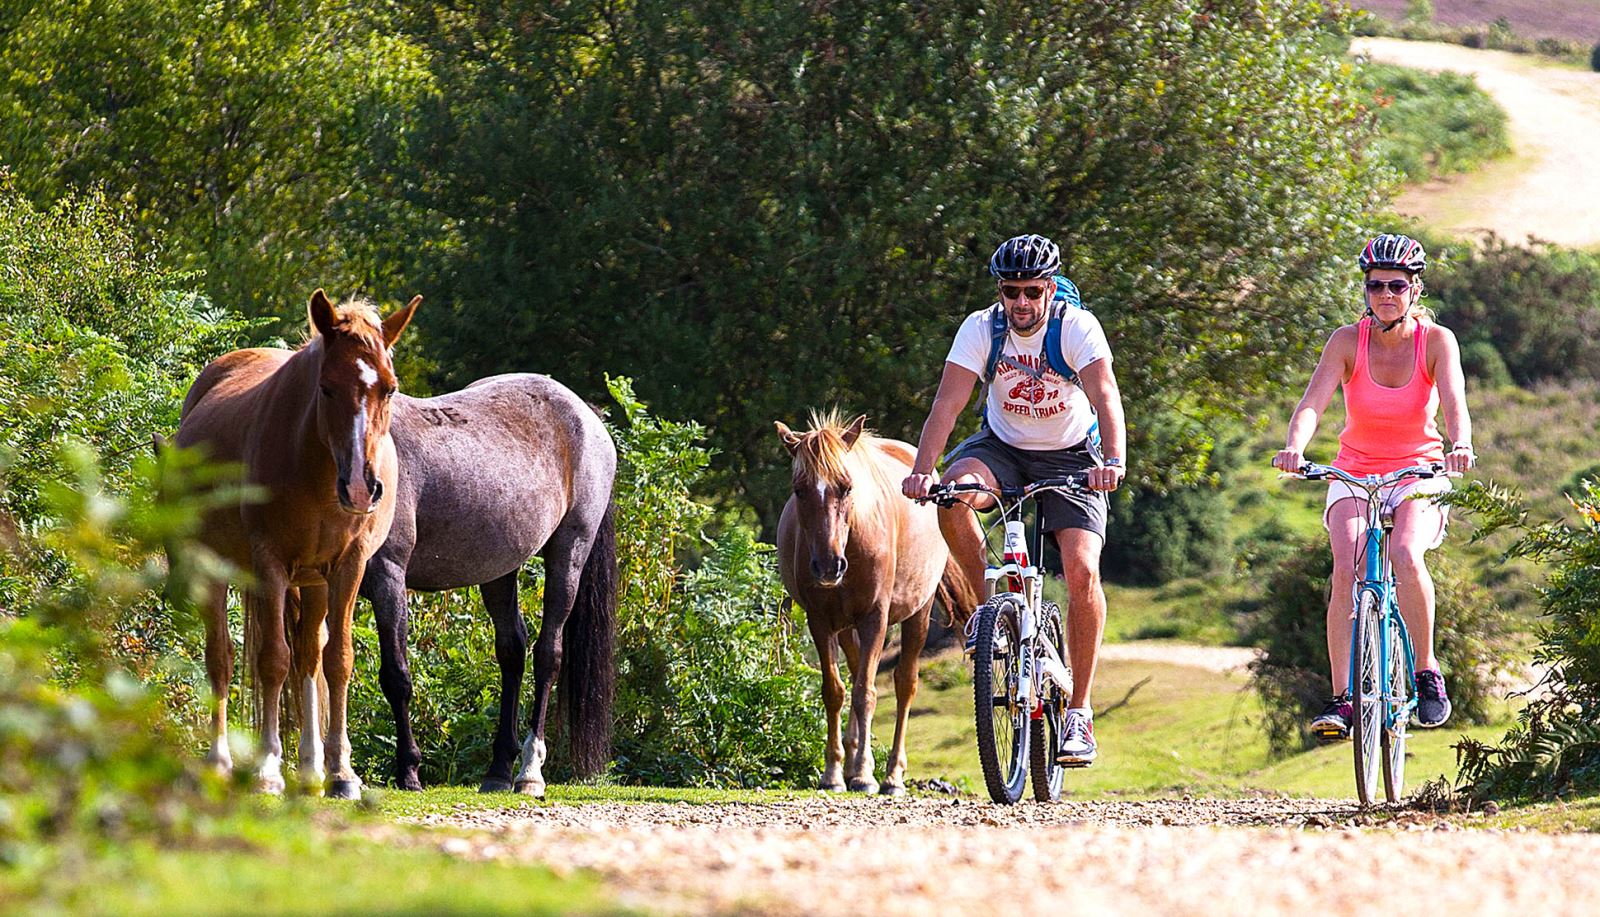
(1025, 258)
(1393, 251)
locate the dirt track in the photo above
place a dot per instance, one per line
(1550, 187)
(832, 855)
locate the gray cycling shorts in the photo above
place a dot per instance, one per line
(1014, 467)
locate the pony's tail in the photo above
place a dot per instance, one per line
(588, 657)
(289, 713)
(249, 678)
(955, 594)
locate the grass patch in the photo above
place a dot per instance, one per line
(1559, 816)
(1186, 730)
(446, 799)
(285, 866)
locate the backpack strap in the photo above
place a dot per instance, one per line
(1066, 297)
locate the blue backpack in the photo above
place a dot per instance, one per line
(1066, 298)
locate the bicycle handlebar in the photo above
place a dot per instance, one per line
(1311, 471)
(944, 494)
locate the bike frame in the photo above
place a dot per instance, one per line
(1378, 580)
(1025, 585)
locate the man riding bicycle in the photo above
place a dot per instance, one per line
(1048, 411)
(1398, 369)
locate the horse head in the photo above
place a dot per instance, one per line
(355, 378)
(823, 492)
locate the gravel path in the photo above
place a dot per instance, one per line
(836, 855)
(1550, 187)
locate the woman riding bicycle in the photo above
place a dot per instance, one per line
(1398, 368)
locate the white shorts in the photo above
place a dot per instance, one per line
(1391, 497)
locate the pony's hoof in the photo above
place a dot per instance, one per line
(495, 785)
(344, 789)
(270, 785)
(832, 787)
(892, 789)
(311, 788)
(863, 786)
(409, 782)
(534, 788)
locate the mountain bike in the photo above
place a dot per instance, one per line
(1383, 688)
(1021, 681)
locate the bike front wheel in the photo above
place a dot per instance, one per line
(1398, 714)
(1366, 697)
(1045, 730)
(998, 714)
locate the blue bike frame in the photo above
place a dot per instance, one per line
(1378, 580)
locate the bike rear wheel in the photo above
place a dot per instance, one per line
(1398, 715)
(1366, 697)
(1045, 731)
(1003, 729)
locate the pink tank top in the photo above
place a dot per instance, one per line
(1385, 428)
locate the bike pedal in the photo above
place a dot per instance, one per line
(1329, 734)
(1075, 764)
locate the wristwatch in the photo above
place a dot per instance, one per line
(1457, 447)
(1113, 462)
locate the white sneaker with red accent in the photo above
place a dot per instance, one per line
(1077, 739)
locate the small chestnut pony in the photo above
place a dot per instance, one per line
(858, 556)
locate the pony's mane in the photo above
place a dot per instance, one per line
(823, 456)
(356, 315)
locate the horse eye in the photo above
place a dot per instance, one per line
(327, 392)
(844, 492)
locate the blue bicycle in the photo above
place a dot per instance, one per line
(1383, 690)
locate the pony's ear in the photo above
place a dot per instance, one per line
(854, 431)
(323, 315)
(397, 322)
(791, 439)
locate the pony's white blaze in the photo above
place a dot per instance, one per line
(360, 495)
(369, 376)
(822, 491)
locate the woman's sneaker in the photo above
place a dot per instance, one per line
(1333, 723)
(1077, 740)
(1433, 704)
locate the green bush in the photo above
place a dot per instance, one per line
(1433, 123)
(1537, 305)
(89, 758)
(1594, 57)
(95, 344)
(1155, 537)
(1287, 619)
(1554, 748)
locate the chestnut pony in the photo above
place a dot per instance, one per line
(310, 428)
(859, 557)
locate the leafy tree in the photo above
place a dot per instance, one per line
(235, 129)
(754, 209)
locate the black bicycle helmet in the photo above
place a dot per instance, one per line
(1025, 258)
(1394, 251)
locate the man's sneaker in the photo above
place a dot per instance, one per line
(1433, 705)
(1077, 740)
(1333, 723)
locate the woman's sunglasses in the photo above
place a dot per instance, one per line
(1013, 292)
(1393, 286)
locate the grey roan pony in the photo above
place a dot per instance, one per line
(508, 467)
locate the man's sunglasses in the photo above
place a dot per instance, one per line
(1393, 286)
(1013, 292)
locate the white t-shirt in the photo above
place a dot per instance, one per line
(1047, 413)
